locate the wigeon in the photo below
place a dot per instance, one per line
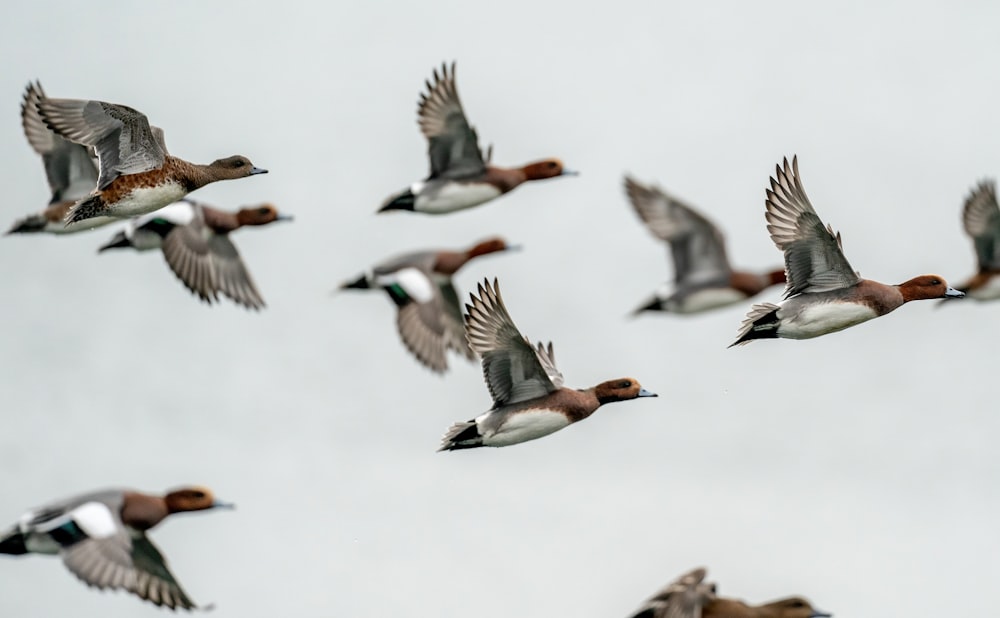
(691, 597)
(529, 399)
(195, 241)
(823, 293)
(429, 316)
(461, 177)
(71, 172)
(981, 218)
(101, 537)
(703, 277)
(137, 175)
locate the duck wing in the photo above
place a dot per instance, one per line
(981, 218)
(697, 246)
(124, 141)
(453, 145)
(814, 258)
(511, 366)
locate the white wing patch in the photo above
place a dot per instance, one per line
(414, 282)
(95, 519)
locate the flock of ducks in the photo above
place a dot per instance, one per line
(101, 536)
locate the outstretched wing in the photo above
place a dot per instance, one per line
(696, 244)
(124, 142)
(981, 218)
(453, 144)
(814, 260)
(511, 367)
(682, 598)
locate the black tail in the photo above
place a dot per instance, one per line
(28, 225)
(120, 240)
(760, 323)
(400, 201)
(460, 436)
(13, 544)
(87, 208)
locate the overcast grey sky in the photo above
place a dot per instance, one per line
(857, 469)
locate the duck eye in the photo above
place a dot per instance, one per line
(239, 163)
(798, 604)
(626, 384)
(197, 495)
(263, 211)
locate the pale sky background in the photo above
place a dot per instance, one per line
(858, 469)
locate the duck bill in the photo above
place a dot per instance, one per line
(257, 170)
(953, 293)
(644, 393)
(218, 504)
(819, 614)
(283, 217)
(570, 173)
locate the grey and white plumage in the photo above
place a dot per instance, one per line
(529, 399)
(209, 264)
(704, 279)
(194, 239)
(69, 168)
(453, 145)
(697, 246)
(981, 220)
(88, 533)
(122, 137)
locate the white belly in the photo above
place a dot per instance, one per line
(452, 196)
(816, 320)
(524, 426)
(147, 199)
(709, 298)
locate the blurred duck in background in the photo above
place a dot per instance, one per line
(703, 276)
(429, 314)
(195, 241)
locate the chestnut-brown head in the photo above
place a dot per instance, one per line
(490, 245)
(260, 215)
(547, 168)
(233, 167)
(926, 287)
(192, 499)
(620, 390)
(792, 607)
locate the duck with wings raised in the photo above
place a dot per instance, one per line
(529, 399)
(461, 177)
(137, 174)
(823, 293)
